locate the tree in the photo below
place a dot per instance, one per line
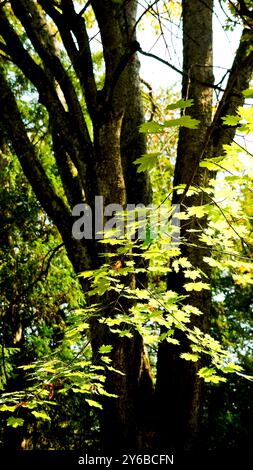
(95, 140)
(38, 292)
(184, 391)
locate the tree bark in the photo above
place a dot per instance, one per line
(103, 166)
(179, 389)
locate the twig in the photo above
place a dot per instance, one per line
(86, 6)
(151, 98)
(165, 62)
(143, 14)
(3, 361)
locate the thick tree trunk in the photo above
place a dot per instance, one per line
(124, 423)
(178, 389)
(103, 167)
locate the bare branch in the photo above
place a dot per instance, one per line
(52, 203)
(78, 148)
(81, 59)
(217, 134)
(36, 28)
(165, 62)
(83, 10)
(142, 15)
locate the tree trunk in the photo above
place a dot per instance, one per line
(179, 389)
(102, 167)
(124, 423)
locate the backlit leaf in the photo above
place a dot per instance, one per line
(198, 286)
(183, 121)
(180, 104)
(41, 415)
(190, 357)
(94, 403)
(15, 422)
(146, 161)
(105, 349)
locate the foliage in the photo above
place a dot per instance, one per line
(155, 313)
(38, 294)
(48, 369)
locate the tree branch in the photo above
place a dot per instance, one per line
(37, 30)
(149, 7)
(239, 79)
(83, 10)
(55, 207)
(243, 12)
(70, 179)
(50, 201)
(165, 62)
(76, 145)
(41, 276)
(80, 58)
(218, 134)
(112, 34)
(33, 72)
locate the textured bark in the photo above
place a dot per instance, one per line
(177, 383)
(124, 421)
(87, 167)
(179, 389)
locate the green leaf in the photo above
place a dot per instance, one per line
(231, 367)
(142, 293)
(183, 121)
(27, 367)
(183, 262)
(147, 161)
(41, 415)
(192, 274)
(190, 357)
(106, 359)
(94, 404)
(209, 165)
(112, 369)
(191, 309)
(125, 334)
(198, 211)
(231, 120)
(86, 274)
(122, 333)
(105, 349)
(181, 317)
(248, 93)
(209, 375)
(198, 286)
(15, 422)
(172, 340)
(180, 104)
(151, 127)
(102, 285)
(8, 408)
